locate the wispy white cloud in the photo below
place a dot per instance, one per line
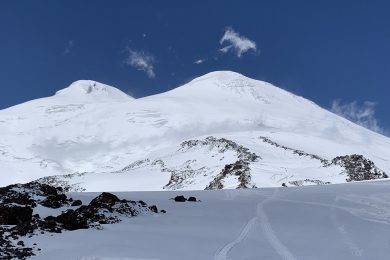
(68, 47)
(199, 61)
(140, 60)
(362, 114)
(237, 43)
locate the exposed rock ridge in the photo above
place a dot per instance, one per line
(239, 168)
(294, 151)
(356, 166)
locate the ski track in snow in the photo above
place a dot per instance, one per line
(345, 236)
(349, 210)
(222, 254)
(276, 244)
(266, 227)
(228, 195)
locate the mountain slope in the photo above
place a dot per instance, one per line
(99, 138)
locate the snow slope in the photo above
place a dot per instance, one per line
(346, 221)
(98, 138)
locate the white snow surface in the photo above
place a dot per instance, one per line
(89, 91)
(93, 132)
(344, 221)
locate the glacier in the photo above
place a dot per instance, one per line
(91, 137)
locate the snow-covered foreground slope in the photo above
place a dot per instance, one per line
(221, 130)
(346, 221)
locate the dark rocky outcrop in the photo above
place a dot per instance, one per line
(294, 151)
(186, 172)
(356, 166)
(223, 145)
(17, 218)
(359, 168)
(240, 168)
(101, 210)
(55, 201)
(105, 200)
(50, 224)
(15, 215)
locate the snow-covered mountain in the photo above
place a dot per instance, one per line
(221, 130)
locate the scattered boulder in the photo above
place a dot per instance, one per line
(180, 198)
(192, 199)
(153, 208)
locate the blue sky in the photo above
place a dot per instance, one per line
(324, 51)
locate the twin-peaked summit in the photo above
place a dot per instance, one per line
(223, 83)
(92, 127)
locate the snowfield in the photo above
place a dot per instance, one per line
(93, 137)
(245, 148)
(345, 221)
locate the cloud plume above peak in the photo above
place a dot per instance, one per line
(140, 60)
(236, 43)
